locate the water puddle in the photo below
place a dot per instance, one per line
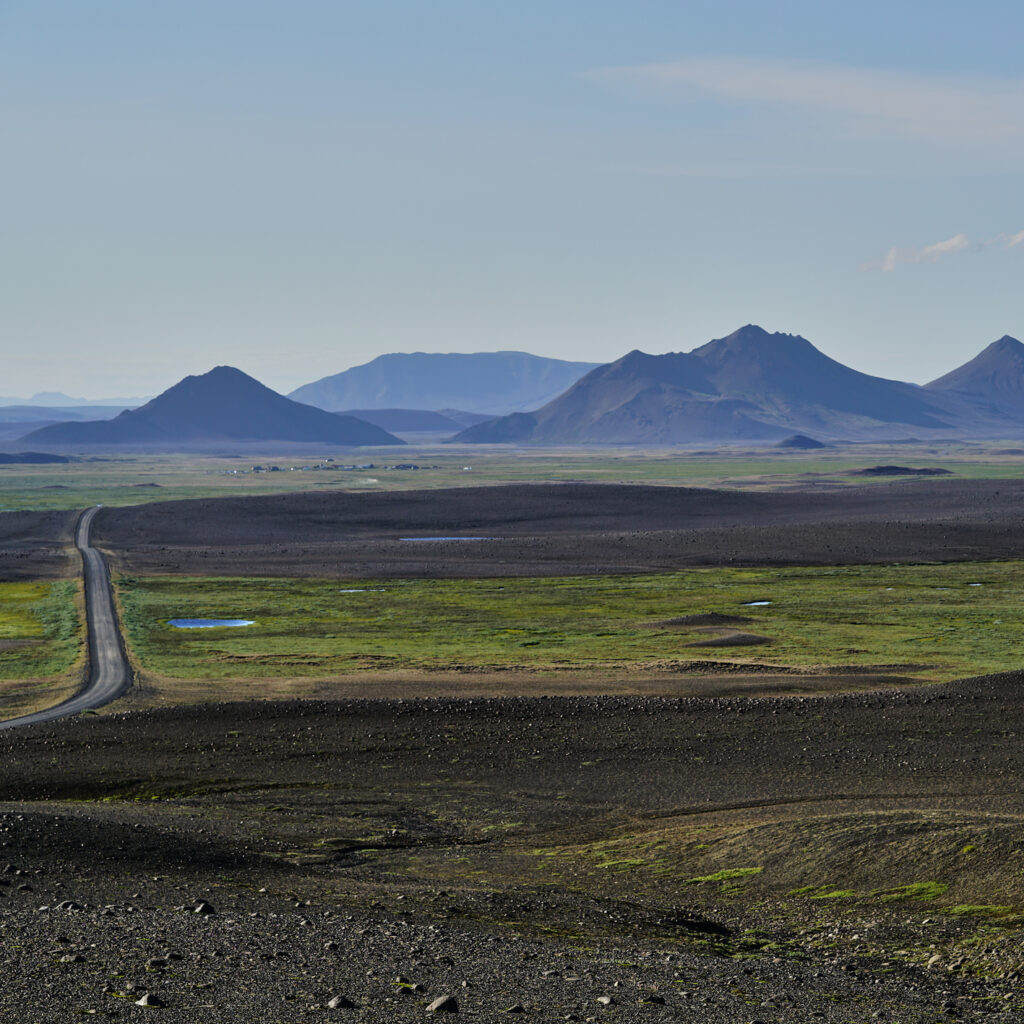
(362, 590)
(418, 540)
(755, 604)
(208, 623)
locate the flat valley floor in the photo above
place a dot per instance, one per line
(850, 857)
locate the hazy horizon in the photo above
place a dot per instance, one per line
(296, 190)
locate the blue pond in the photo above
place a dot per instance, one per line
(208, 623)
(421, 539)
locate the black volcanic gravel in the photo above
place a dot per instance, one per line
(34, 545)
(562, 529)
(136, 869)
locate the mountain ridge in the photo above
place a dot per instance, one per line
(493, 383)
(748, 385)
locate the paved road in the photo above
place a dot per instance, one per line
(109, 674)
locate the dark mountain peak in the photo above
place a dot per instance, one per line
(223, 404)
(750, 384)
(632, 362)
(1007, 343)
(999, 367)
(752, 341)
(217, 379)
(755, 332)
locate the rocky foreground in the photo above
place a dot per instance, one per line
(221, 952)
(849, 859)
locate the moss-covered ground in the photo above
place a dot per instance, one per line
(41, 644)
(931, 622)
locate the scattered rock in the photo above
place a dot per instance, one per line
(149, 1000)
(202, 907)
(340, 1003)
(444, 1004)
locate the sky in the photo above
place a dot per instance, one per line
(294, 188)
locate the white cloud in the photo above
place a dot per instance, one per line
(1007, 241)
(924, 253)
(937, 250)
(937, 108)
(930, 253)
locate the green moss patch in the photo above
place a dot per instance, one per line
(923, 621)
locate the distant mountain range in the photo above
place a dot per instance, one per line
(492, 383)
(57, 413)
(17, 420)
(749, 386)
(224, 405)
(753, 386)
(57, 400)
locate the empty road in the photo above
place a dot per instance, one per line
(109, 674)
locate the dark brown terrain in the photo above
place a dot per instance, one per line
(449, 842)
(542, 529)
(36, 545)
(846, 858)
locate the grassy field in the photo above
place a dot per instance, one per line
(132, 479)
(41, 644)
(933, 622)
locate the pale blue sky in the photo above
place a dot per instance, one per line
(297, 187)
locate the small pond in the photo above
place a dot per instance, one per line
(756, 604)
(421, 539)
(208, 623)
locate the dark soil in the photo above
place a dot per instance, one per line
(706, 619)
(900, 471)
(415, 838)
(732, 640)
(566, 529)
(36, 545)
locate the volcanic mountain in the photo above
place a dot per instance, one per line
(992, 383)
(222, 405)
(484, 382)
(751, 385)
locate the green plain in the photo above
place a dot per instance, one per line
(39, 629)
(936, 622)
